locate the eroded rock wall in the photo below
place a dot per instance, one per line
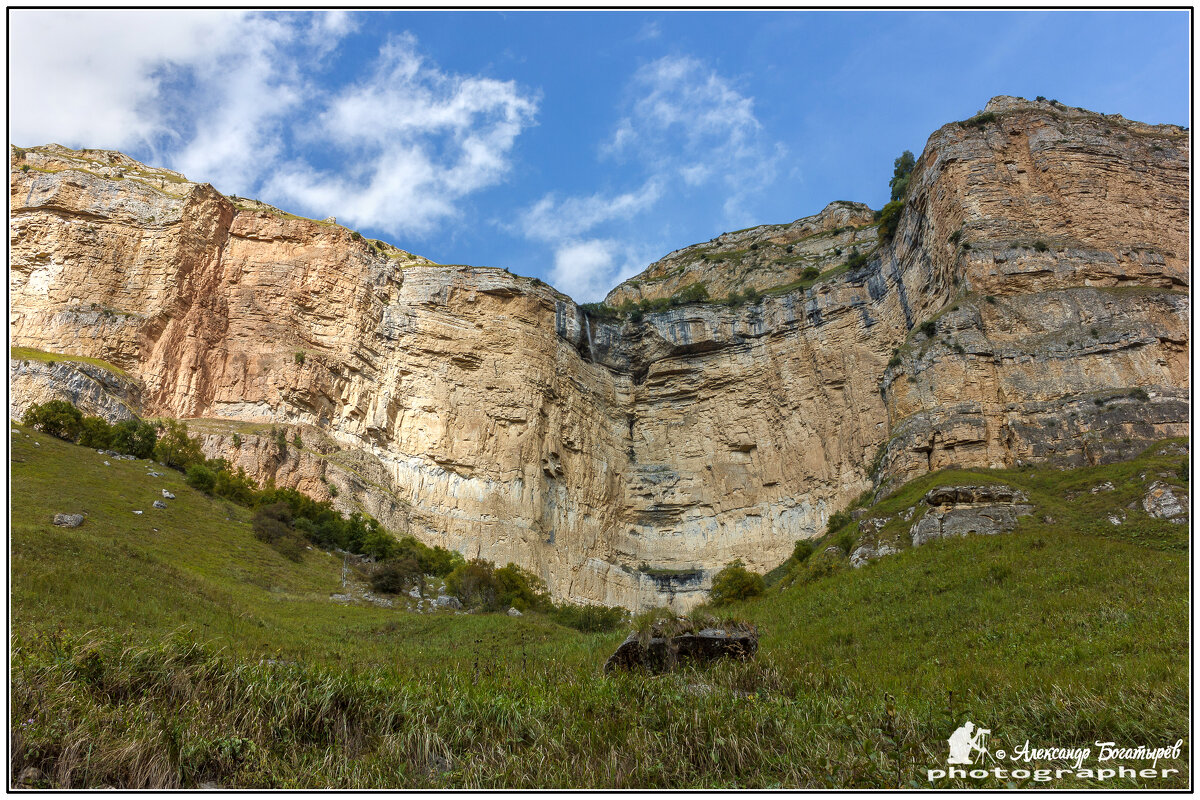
(625, 462)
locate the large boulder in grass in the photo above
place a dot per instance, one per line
(674, 642)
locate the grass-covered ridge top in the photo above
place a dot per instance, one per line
(45, 357)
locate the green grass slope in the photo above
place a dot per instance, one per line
(195, 654)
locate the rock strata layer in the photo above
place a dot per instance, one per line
(1031, 307)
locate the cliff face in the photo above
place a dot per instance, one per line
(1031, 306)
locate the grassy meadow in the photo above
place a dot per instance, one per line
(173, 649)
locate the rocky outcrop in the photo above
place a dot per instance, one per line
(969, 511)
(94, 390)
(675, 643)
(1031, 307)
(1161, 502)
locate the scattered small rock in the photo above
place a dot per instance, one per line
(448, 601)
(512, 612)
(153, 474)
(868, 552)
(30, 776)
(169, 496)
(1161, 502)
(68, 520)
(159, 504)
(107, 464)
(137, 512)
(1104, 487)
(1114, 519)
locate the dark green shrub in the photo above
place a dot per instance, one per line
(272, 524)
(845, 540)
(752, 295)
(200, 476)
(1140, 394)
(1041, 99)
(237, 441)
(520, 589)
(734, 583)
(928, 327)
(979, 120)
(1040, 246)
(134, 437)
(299, 357)
(692, 293)
(754, 246)
(296, 440)
(95, 432)
(280, 439)
(902, 171)
(810, 273)
(56, 418)
(803, 549)
(790, 248)
(889, 219)
(474, 583)
(238, 487)
(956, 236)
(839, 520)
(588, 619)
(397, 575)
(990, 299)
(856, 260)
(175, 447)
(894, 362)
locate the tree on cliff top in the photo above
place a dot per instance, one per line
(903, 170)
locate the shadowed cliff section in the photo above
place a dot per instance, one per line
(1030, 306)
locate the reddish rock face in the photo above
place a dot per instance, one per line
(1032, 306)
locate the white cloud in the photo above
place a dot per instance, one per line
(551, 219)
(417, 140)
(91, 78)
(244, 100)
(688, 130)
(587, 269)
(688, 121)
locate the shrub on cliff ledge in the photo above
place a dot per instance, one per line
(902, 171)
(734, 583)
(889, 219)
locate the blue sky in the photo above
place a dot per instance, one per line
(575, 146)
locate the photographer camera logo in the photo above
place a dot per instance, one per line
(963, 743)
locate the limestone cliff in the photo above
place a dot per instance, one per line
(1032, 305)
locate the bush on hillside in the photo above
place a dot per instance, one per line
(55, 418)
(272, 524)
(95, 432)
(734, 583)
(134, 437)
(174, 447)
(520, 589)
(803, 549)
(202, 477)
(474, 583)
(397, 575)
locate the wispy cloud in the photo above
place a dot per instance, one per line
(417, 140)
(246, 101)
(686, 129)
